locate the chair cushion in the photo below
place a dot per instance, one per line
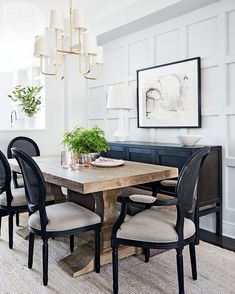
(65, 216)
(154, 225)
(128, 191)
(169, 183)
(20, 181)
(19, 198)
(145, 199)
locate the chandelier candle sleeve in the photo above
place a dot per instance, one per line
(66, 31)
(99, 58)
(57, 20)
(90, 44)
(41, 47)
(79, 20)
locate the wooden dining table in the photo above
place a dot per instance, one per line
(97, 189)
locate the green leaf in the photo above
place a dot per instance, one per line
(28, 97)
(82, 141)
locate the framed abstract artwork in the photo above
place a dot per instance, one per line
(169, 95)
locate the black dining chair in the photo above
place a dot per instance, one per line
(12, 201)
(162, 229)
(63, 219)
(29, 146)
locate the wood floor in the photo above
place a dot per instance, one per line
(221, 241)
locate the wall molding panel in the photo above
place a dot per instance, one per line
(208, 32)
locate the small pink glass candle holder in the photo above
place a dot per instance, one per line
(74, 161)
(86, 160)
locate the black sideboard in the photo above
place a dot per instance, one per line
(210, 180)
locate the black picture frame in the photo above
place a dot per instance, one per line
(171, 106)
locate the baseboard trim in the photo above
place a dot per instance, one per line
(229, 229)
(221, 241)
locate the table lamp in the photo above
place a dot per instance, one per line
(120, 97)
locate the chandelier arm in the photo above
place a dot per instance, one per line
(62, 43)
(71, 24)
(56, 53)
(57, 57)
(87, 69)
(67, 52)
(42, 71)
(79, 41)
(95, 77)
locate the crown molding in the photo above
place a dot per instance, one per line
(113, 7)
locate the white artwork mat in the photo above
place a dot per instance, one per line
(168, 95)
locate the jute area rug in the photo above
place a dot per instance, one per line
(216, 271)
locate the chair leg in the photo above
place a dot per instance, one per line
(180, 270)
(45, 261)
(10, 228)
(193, 260)
(71, 243)
(115, 268)
(146, 254)
(97, 251)
(17, 219)
(31, 247)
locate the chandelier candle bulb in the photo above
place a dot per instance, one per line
(90, 44)
(57, 20)
(41, 47)
(79, 20)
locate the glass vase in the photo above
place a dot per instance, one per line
(74, 161)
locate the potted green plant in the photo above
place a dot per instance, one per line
(28, 98)
(86, 141)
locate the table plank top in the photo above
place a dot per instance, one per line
(97, 179)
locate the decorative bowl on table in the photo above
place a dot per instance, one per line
(189, 140)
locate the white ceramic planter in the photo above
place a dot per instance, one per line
(30, 122)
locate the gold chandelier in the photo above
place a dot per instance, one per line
(89, 54)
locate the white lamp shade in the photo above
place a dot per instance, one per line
(120, 97)
(89, 44)
(79, 20)
(57, 20)
(99, 58)
(41, 47)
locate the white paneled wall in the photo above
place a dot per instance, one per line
(208, 33)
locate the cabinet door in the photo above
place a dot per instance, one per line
(146, 155)
(174, 158)
(117, 152)
(209, 184)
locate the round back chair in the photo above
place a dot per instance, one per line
(28, 145)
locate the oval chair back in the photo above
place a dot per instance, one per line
(5, 178)
(186, 188)
(23, 143)
(35, 186)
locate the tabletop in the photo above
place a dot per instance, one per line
(96, 179)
